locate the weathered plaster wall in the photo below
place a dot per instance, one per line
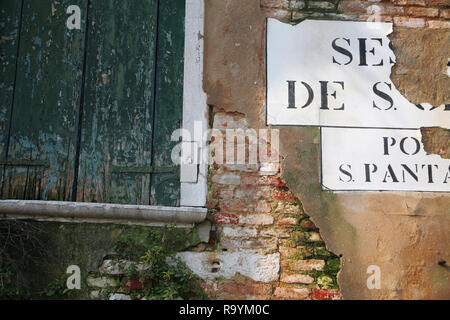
(405, 234)
(421, 70)
(35, 257)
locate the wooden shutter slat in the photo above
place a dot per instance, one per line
(44, 117)
(9, 23)
(117, 123)
(165, 187)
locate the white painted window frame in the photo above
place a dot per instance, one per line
(195, 112)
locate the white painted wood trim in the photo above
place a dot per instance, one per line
(195, 111)
(77, 212)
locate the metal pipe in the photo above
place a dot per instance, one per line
(101, 213)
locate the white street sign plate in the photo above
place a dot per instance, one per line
(337, 73)
(380, 160)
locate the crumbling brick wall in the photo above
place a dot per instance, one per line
(254, 212)
(266, 210)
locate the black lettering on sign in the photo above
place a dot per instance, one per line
(390, 174)
(430, 171)
(387, 144)
(324, 94)
(342, 51)
(363, 51)
(310, 94)
(346, 172)
(369, 172)
(390, 142)
(383, 95)
(391, 59)
(291, 94)
(414, 175)
(447, 176)
(417, 145)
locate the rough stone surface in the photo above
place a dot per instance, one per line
(119, 296)
(204, 231)
(436, 141)
(258, 267)
(102, 282)
(257, 245)
(292, 293)
(256, 219)
(239, 232)
(116, 268)
(420, 73)
(296, 278)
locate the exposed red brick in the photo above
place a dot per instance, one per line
(241, 288)
(246, 206)
(226, 218)
(365, 7)
(409, 22)
(256, 193)
(438, 24)
(296, 278)
(292, 293)
(280, 195)
(227, 179)
(382, 18)
(288, 208)
(212, 204)
(422, 12)
(288, 252)
(354, 6)
(326, 294)
(276, 233)
(263, 181)
(279, 4)
(303, 265)
(432, 3)
(256, 219)
(409, 2)
(135, 284)
(308, 224)
(445, 13)
(225, 193)
(287, 221)
(391, 10)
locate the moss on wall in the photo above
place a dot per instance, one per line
(37, 254)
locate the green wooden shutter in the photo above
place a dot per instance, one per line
(10, 13)
(93, 109)
(42, 134)
(165, 187)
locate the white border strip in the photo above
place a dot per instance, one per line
(195, 110)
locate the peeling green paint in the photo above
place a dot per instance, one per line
(118, 82)
(42, 126)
